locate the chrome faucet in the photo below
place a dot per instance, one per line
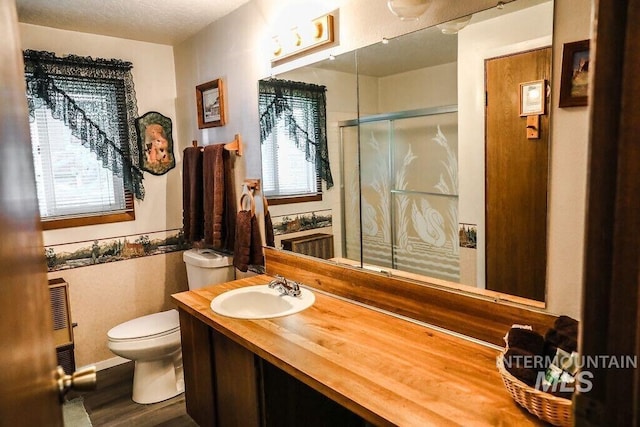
(285, 287)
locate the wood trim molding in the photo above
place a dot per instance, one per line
(474, 316)
(129, 214)
(611, 305)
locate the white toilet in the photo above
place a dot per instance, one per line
(153, 341)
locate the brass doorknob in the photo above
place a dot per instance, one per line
(84, 379)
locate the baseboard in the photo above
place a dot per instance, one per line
(110, 363)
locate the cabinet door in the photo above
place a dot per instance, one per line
(237, 383)
(290, 402)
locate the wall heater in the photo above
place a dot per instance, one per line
(62, 326)
(319, 245)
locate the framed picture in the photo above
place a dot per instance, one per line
(533, 98)
(155, 143)
(210, 100)
(574, 81)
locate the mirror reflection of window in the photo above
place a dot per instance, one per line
(293, 137)
(286, 172)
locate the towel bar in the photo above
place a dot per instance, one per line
(235, 145)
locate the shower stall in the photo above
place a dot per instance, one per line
(400, 191)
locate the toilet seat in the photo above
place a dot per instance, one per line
(154, 325)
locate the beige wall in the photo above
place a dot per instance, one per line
(103, 296)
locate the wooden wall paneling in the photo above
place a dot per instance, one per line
(470, 315)
(197, 360)
(611, 319)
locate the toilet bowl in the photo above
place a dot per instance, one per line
(153, 341)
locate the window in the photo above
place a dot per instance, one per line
(294, 143)
(71, 181)
(81, 143)
(285, 172)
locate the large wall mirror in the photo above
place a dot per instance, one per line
(436, 177)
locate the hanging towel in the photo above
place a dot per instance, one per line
(256, 256)
(229, 219)
(219, 198)
(268, 225)
(214, 194)
(244, 232)
(242, 242)
(192, 213)
(248, 240)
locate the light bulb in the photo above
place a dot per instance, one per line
(408, 10)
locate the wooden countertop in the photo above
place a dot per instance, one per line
(387, 370)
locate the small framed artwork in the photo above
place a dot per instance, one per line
(210, 100)
(155, 143)
(533, 98)
(574, 81)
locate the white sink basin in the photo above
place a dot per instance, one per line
(260, 302)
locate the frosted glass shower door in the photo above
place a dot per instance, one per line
(376, 221)
(351, 193)
(400, 206)
(425, 195)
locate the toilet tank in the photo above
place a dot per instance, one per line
(207, 267)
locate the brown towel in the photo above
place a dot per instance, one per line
(525, 339)
(214, 194)
(242, 241)
(257, 255)
(229, 220)
(268, 231)
(520, 363)
(564, 334)
(192, 194)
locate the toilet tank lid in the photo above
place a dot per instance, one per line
(206, 258)
(146, 326)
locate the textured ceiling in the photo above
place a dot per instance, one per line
(156, 21)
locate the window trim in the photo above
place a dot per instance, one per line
(129, 214)
(299, 198)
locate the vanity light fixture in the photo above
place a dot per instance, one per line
(408, 10)
(452, 27)
(303, 37)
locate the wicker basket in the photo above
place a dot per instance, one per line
(549, 408)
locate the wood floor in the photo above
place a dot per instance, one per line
(110, 405)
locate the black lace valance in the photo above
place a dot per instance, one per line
(302, 106)
(62, 85)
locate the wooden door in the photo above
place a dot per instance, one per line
(516, 179)
(28, 395)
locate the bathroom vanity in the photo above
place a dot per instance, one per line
(335, 363)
